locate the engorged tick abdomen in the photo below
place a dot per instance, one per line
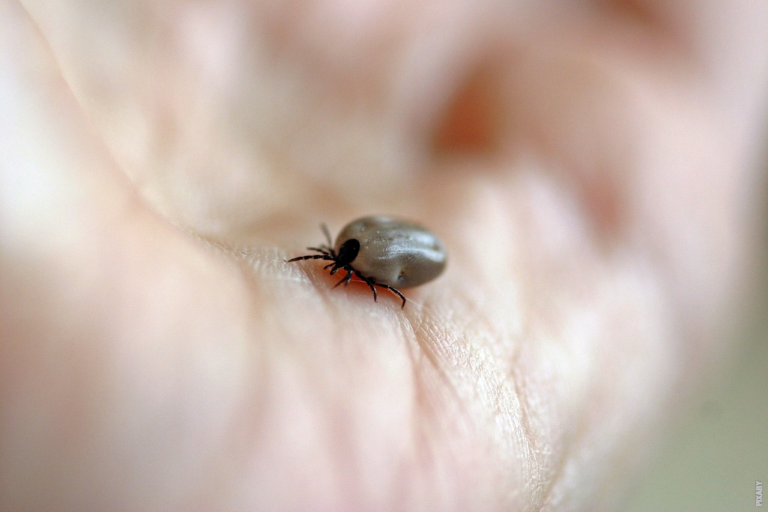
(394, 252)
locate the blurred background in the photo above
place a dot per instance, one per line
(718, 446)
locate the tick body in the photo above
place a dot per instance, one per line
(383, 252)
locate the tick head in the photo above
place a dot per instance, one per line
(348, 252)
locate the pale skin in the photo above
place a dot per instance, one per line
(590, 169)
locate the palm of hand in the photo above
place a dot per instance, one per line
(158, 361)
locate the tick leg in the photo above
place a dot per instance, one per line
(329, 250)
(319, 249)
(349, 276)
(345, 278)
(311, 257)
(329, 265)
(370, 284)
(395, 291)
(327, 234)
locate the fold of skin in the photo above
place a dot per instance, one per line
(590, 168)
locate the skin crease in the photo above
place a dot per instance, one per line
(590, 167)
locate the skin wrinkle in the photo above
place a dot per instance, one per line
(421, 411)
(463, 405)
(502, 417)
(556, 472)
(550, 482)
(560, 463)
(427, 406)
(527, 432)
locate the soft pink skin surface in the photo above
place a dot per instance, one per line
(591, 169)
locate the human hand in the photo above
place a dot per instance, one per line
(587, 166)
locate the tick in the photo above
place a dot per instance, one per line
(382, 251)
